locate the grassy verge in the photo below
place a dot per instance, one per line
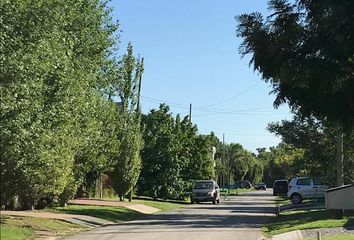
(335, 237)
(283, 200)
(299, 220)
(114, 214)
(235, 192)
(18, 228)
(162, 205)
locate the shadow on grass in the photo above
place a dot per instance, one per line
(108, 213)
(3, 219)
(297, 220)
(178, 201)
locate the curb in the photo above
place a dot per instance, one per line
(293, 235)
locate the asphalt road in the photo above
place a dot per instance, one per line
(238, 217)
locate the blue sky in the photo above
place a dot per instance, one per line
(191, 55)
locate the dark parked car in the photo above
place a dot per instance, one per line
(260, 185)
(280, 187)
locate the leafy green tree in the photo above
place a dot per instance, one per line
(316, 138)
(161, 167)
(125, 81)
(281, 162)
(174, 155)
(50, 64)
(126, 171)
(310, 44)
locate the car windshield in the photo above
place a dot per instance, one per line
(203, 185)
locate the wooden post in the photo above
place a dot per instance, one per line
(318, 235)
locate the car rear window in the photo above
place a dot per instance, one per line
(203, 185)
(281, 183)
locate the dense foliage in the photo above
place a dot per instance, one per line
(59, 125)
(316, 139)
(305, 50)
(174, 155)
(310, 45)
(126, 84)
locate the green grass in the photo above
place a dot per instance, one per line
(18, 228)
(15, 233)
(162, 205)
(335, 237)
(235, 192)
(299, 220)
(283, 200)
(167, 205)
(114, 214)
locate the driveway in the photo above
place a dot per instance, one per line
(238, 217)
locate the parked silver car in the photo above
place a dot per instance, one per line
(305, 187)
(205, 191)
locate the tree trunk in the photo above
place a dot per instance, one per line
(339, 157)
(130, 195)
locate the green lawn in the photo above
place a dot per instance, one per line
(163, 206)
(166, 205)
(335, 237)
(283, 200)
(235, 192)
(299, 220)
(114, 214)
(18, 228)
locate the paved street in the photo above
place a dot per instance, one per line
(235, 218)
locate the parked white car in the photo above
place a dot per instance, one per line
(305, 187)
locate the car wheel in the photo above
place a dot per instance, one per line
(296, 198)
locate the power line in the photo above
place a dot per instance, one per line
(164, 101)
(249, 111)
(233, 97)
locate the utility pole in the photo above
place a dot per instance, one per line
(139, 85)
(190, 112)
(339, 157)
(223, 158)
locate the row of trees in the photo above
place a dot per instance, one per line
(61, 126)
(315, 144)
(59, 77)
